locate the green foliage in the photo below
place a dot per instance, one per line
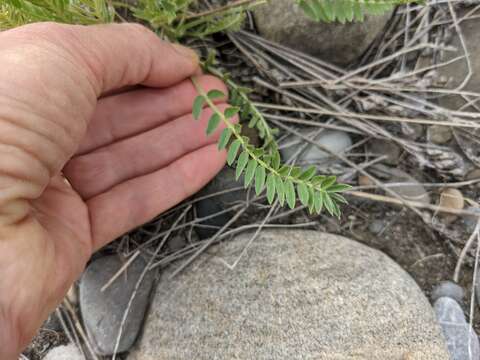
(262, 168)
(177, 19)
(173, 19)
(14, 13)
(346, 10)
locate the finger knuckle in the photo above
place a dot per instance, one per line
(44, 30)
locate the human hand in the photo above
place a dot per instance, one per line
(65, 112)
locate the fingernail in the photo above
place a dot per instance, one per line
(185, 51)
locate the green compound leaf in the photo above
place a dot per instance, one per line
(276, 160)
(198, 107)
(270, 188)
(339, 188)
(216, 94)
(328, 203)
(213, 123)
(259, 179)
(241, 163)
(250, 172)
(308, 174)
(284, 183)
(231, 112)
(346, 10)
(232, 152)
(224, 138)
(329, 181)
(338, 198)
(303, 193)
(280, 187)
(290, 193)
(318, 202)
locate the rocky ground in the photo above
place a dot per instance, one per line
(391, 107)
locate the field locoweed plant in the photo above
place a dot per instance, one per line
(261, 167)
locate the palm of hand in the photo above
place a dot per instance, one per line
(80, 172)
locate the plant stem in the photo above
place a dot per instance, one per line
(268, 132)
(251, 154)
(224, 8)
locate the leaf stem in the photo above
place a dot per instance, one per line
(268, 131)
(262, 163)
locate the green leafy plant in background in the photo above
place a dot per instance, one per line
(177, 19)
(346, 10)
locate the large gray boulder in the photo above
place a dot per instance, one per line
(284, 22)
(294, 295)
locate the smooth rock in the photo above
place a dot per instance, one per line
(294, 295)
(412, 131)
(230, 192)
(177, 242)
(457, 71)
(439, 134)
(477, 290)
(364, 180)
(67, 352)
(52, 323)
(284, 22)
(386, 148)
(470, 221)
(456, 330)
(411, 190)
(473, 175)
(376, 226)
(102, 312)
(448, 289)
(451, 198)
(335, 141)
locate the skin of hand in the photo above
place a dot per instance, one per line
(96, 138)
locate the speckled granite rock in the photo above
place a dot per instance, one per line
(284, 22)
(295, 295)
(68, 352)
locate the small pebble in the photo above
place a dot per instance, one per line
(67, 352)
(386, 148)
(365, 181)
(376, 226)
(451, 198)
(448, 289)
(470, 221)
(335, 141)
(412, 191)
(473, 175)
(462, 342)
(412, 131)
(439, 134)
(177, 243)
